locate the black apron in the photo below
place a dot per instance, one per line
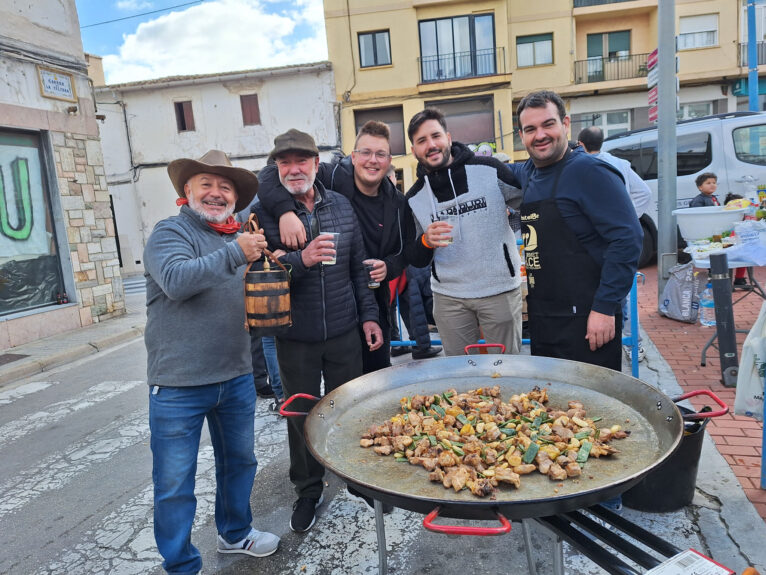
(562, 279)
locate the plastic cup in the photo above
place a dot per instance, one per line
(453, 221)
(369, 266)
(334, 240)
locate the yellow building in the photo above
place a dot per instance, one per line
(476, 59)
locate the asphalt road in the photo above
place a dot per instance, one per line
(76, 494)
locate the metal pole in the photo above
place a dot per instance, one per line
(752, 59)
(724, 319)
(380, 530)
(667, 246)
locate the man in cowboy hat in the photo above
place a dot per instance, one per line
(199, 359)
(330, 300)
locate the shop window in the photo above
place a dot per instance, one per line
(251, 115)
(184, 116)
(469, 120)
(30, 272)
(394, 117)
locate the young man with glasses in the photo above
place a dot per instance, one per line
(384, 218)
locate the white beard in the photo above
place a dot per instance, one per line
(198, 209)
(305, 186)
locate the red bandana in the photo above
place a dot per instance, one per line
(230, 226)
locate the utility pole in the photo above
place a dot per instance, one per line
(752, 59)
(667, 244)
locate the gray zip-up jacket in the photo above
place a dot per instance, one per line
(195, 304)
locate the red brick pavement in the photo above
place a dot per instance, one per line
(737, 438)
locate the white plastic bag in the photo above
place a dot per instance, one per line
(752, 368)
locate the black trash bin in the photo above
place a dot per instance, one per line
(670, 486)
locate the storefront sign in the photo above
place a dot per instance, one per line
(57, 84)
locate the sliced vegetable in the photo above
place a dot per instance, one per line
(446, 397)
(530, 453)
(582, 434)
(432, 439)
(439, 410)
(462, 419)
(582, 455)
(401, 459)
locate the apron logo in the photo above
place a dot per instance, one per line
(530, 217)
(531, 255)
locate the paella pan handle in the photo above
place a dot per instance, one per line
(429, 524)
(292, 398)
(723, 411)
(482, 347)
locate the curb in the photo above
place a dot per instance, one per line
(33, 366)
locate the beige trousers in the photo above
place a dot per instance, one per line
(459, 321)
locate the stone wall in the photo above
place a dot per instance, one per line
(90, 227)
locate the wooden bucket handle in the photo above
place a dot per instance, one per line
(251, 226)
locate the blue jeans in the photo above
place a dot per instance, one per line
(270, 351)
(176, 415)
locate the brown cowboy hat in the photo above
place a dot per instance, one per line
(215, 162)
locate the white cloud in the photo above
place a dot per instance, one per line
(220, 36)
(132, 5)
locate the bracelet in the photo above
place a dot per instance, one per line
(425, 242)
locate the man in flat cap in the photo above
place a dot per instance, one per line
(199, 359)
(329, 300)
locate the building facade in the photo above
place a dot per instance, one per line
(148, 124)
(477, 59)
(59, 268)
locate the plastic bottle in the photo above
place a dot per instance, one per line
(707, 306)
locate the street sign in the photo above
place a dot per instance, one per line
(651, 60)
(653, 95)
(653, 114)
(653, 77)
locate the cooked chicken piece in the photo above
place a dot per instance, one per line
(436, 475)
(447, 459)
(473, 445)
(409, 430)
(414, 418)
(573, 469)
(505, 475)
(455, 437)
(482, 487)
(576, 413)
(456, 478)
(417, 402)
(429, 463)
(383, 440)
(562, 460)
(599, 450)
(620, 434)
(524, 468)
(366, 442)
(423, 446)
(604, 434)
(544, 465)
(430, 425)
(492, 434)
(490, 456)
(449, 420)
(564, 433)
(575, 405)
(402, 442)
(556, 473)
(473, 459)
(383, 449)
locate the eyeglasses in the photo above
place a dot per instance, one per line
(367, 154)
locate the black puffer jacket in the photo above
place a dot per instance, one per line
(326, 300)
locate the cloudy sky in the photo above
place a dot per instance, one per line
(200, 37)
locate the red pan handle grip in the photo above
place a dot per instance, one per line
(485, 346)
(292, 398)
(723, 411)
(428, 523)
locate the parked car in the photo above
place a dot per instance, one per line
(733, 146)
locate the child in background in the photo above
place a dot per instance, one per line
(739, 273)
(707, 184)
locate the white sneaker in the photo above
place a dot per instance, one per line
(629, 352)
(257, 543)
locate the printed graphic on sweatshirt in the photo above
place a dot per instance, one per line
(461, 209)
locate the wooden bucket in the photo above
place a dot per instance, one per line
(267, 297)
(267, 292)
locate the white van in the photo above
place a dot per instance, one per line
(732, 146)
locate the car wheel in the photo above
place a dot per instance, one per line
(649, 245)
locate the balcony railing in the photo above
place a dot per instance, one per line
(462, 65)
(760, 49)
(611, 68)
(586, 3)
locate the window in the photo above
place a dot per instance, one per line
(694, 110)
(604, 49)
(30, 273)
(694, 154)
(374, 49)
(394, 117)
(534, 50)
(612, 123)
(760, 20)
(184, 116)
(460, 47)
(698, 31)
(251, 115)
(469, 121)
(750, 144)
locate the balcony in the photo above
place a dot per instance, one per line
(760, 48)
(611, 68)
(460, 65)
(588, 3)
